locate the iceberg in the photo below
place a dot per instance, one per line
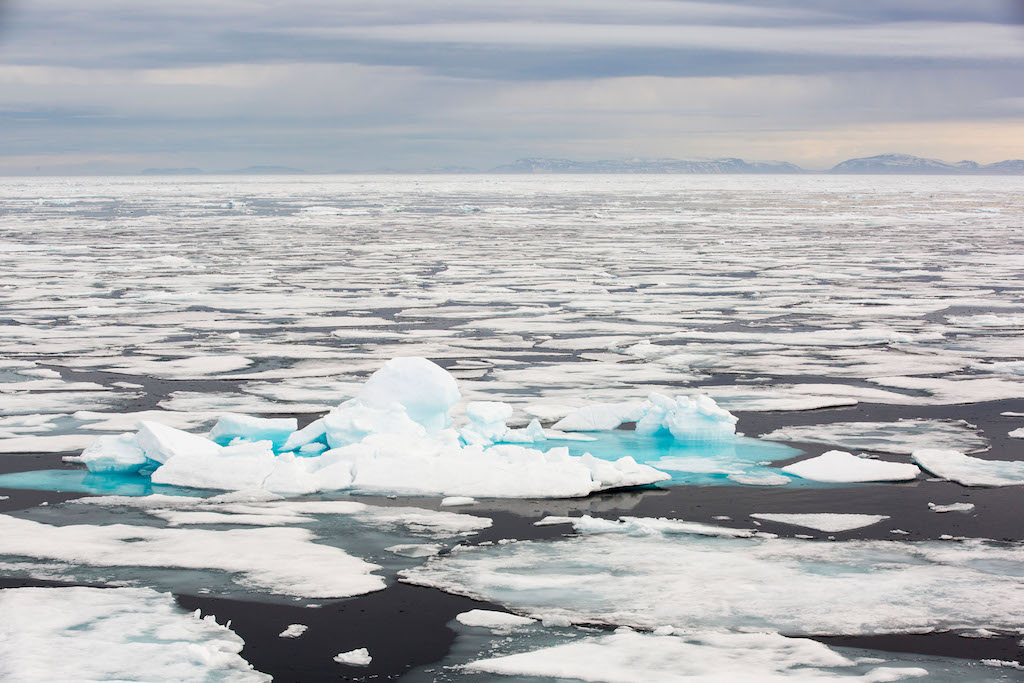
(395, 435)
(968, 471)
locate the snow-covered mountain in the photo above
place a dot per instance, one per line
(907, 163)
(727, 165)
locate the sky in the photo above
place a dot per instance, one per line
(116, 86)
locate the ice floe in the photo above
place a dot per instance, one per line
(843, 467)
(358, 657)
(829, 522)
(293, 631)
(951, 507)
(485, 618)
(108, 634)
(698, 582)
(902, 437)
(969, 471)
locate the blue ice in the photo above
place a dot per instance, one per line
(84, 481)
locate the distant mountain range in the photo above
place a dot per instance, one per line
(881, 164)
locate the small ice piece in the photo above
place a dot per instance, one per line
(762, 479)
(551, 520)
(533, 432)
(314, 432)
(952, 507)
(1016, 433)
(687, 418)
(453, 501)
(902, 437)
(415, 549)
(358, 657)
(162, 443)
(601, 416)
(110, 453)
(485, 618)
(969, 471)
(843, 467)
(232, 426)
(293, 631)
(829, 522)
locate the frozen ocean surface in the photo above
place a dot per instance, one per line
(857, 315)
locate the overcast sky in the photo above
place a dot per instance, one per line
(324, 85)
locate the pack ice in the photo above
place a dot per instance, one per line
(396, 435)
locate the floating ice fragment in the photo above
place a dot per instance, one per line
(952, 507)
(902, 437)
(685, 418)
(111, 453)
(452, 501)
(357, 657)
(485, 618)
(601, 416)
(1016, 433)
(822, 521)
(162, 443)
(293, 631)
(968, 471)
(763, 479)
(840, 466)
(486, 422)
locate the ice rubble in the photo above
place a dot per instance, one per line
(843, 467)
(963, 469)
(395, 435)
(102, 634)
(701, 582)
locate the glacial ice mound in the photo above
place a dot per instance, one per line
(395, 435)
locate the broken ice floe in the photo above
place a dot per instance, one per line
(963, 469)
(245, 541)
(951, 507)
(95, 634)
(902, 437)
(358, 657)
(697, 581)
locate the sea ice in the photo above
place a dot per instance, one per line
(626, 657)
(963, 469)
(842, 467)
(686, 418)
(699, 582)
(951, 507)
(113, 634)
(293, 631)
(230, 427)
(486, 618)
(393, 436)
(829, 522)
(1016, 433)
(902, 437)
(358, 657)
(111, 453)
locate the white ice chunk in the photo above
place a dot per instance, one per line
(839, 466)
(1016, 433)
(486, 422)
(232, 426)
(601, 416)
(452, 501)
(113, 634)
(951, 507)
(306, 436)
(687, 418)
(162, 443)
(968, 471)
(822, 521)
(293, 631)
(358, 657)
(424, 389)
(486, 618)
(627, 657)
(761, 479)
(110, 453)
